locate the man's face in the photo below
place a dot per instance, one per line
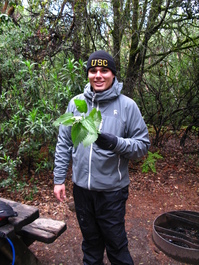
(100, 78)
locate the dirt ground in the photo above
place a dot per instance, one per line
(175, 186)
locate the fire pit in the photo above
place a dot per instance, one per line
(177, 235)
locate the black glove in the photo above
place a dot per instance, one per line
(106, 141)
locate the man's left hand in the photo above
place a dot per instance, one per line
(106, 141)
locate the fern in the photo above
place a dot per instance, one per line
(84, 129)
(150, 162)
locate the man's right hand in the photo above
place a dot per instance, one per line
(60, 192)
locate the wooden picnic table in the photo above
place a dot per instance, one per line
(23, 230)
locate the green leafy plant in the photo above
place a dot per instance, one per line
(8, 165)
(150, 162)
(85, 129)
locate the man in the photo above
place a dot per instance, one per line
(100, 171)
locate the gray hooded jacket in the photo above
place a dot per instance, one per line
(94, 168)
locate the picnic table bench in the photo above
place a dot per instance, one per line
(23, 230)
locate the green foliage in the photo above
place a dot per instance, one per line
(72, 75)
(84, 128)
(8, 165)
(150, 162)
(32, 95)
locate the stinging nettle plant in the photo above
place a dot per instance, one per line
(84, 129)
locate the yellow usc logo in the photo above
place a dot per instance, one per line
(99, 62)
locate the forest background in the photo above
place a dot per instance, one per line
(44, 46)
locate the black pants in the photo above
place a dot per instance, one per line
(101, 219)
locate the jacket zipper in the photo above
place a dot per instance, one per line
(118, 168)
(91, 151)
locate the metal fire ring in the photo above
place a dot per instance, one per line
(176, 233)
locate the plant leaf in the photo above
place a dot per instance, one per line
(81, 105)
(65, 119)
(96, 117)
(89, 139)
(89, 124)
(78, 133)
(84, 129)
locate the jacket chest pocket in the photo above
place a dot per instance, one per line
(113, 125)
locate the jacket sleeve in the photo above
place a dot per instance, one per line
(63, 154)
(136, 143)
(64, 148)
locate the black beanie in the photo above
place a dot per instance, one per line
(103, 59)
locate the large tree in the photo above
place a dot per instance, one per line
(148, 25)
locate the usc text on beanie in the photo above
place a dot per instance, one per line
(102, 59)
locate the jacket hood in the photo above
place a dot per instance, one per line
(106, 95)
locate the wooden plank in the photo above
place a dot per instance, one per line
(26, 214)
(8, 230)
(43, 229)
